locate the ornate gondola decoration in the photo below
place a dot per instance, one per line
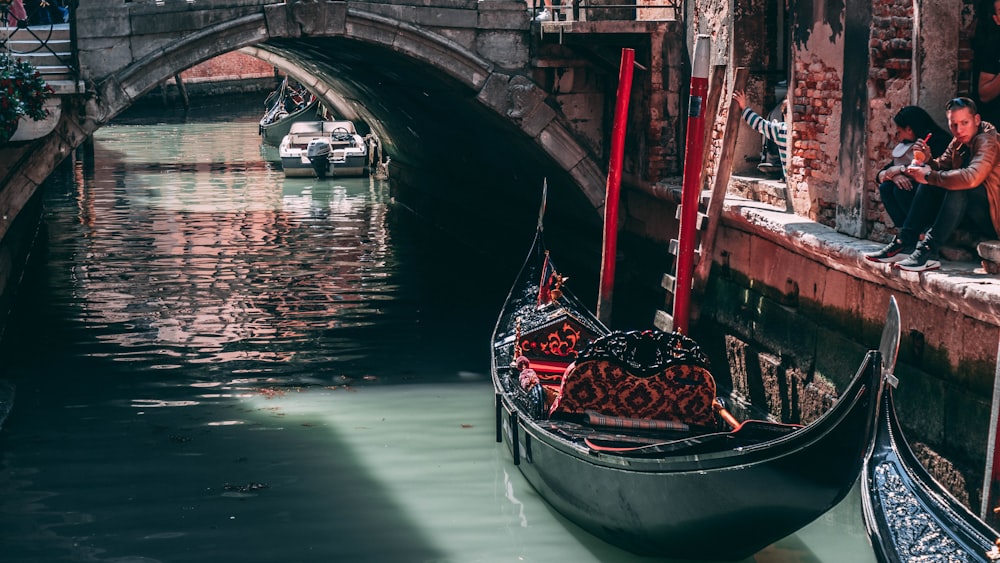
(909, 515)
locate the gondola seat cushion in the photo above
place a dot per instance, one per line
(633, 379)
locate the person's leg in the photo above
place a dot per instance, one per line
(924, 210)
(978, 212)
(953, 209)
(896, 202)
(912, 211)
(546, 13)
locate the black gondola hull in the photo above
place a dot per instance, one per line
(725, 506)
(723, 503)
(909, 515)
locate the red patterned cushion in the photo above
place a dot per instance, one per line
(557, 341)
(679, 392)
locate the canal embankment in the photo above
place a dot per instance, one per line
(792, 305)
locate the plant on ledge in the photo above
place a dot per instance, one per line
(22, 93)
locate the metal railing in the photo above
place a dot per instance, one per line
(41, 35)
(608, 10)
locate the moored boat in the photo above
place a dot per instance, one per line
(283, 107)
(323, 148)
(909, 515)
(623, 434)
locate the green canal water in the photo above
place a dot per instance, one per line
(213, 363)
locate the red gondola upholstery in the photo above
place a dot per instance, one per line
(681, 391)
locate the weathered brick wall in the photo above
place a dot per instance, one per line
(666, 112)
(890, 76)
(816, 103)
(817, 83)
(229, 66)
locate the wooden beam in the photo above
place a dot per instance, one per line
(716, 84)
(723, 174)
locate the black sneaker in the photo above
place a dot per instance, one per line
(893, 252)
(920, 260)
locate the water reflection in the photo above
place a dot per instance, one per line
(216, 364)
(212, 286)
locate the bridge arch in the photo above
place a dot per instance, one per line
(290, 36)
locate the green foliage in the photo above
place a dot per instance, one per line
(22, 93)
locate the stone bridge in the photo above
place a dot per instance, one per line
(450, 86)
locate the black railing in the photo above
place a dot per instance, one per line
(606, 10)
(41, 34)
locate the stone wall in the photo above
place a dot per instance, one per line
(890, 75)
(586, 92)
(816, 132)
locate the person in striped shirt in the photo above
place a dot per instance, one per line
(776, 131)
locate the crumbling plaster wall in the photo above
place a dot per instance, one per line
(817, 175)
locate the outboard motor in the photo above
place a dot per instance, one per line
(318, 153)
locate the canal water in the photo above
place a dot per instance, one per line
(214, 363)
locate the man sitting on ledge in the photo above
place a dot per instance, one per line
(969, 172)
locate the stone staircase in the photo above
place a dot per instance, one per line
(48, 48)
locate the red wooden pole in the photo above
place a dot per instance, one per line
(604, 297)
(691, 185)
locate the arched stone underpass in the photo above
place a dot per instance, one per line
(461, 93)
(435, 130)
(442, 110)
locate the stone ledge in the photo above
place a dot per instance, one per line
(989, 251)
(773, 192)
(961, 286)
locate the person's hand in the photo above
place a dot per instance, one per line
(920, 152)
(903, 182)
(741, 99)
(918, 173)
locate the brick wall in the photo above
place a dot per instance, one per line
(890, 75)
(816, 103)
(228, 66)
(818, 69)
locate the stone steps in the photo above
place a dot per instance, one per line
(47, 48)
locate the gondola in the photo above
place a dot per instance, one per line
(620, 431)
(284, 107)
(910, 516)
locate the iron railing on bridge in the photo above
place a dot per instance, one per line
(607, 10)
(42, 35)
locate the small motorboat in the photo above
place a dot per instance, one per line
(623, 432)
(324, 148)
(910, 516)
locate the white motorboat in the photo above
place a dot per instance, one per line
(323, 148)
